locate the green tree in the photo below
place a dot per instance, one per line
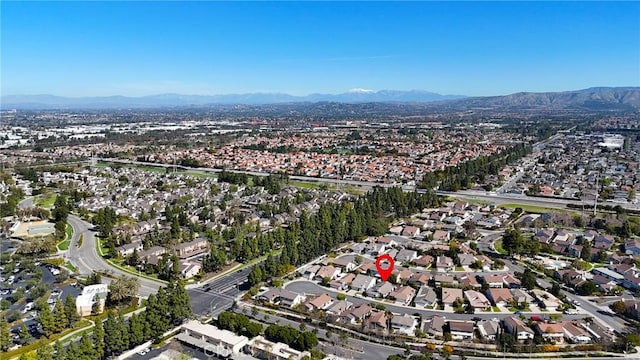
(123, 288)
(59, 317)
(98, 340)
(45, 352)
(136, 330)
(618, 307)
(47, 320)
(528, 279)
(70, 311)
(25, 337)
(86, 348)
(5, 334)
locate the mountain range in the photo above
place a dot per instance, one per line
(597, 98)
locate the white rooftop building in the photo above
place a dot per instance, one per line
(266, 349)
(91, 294)
(223, 343)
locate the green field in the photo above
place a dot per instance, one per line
(64, 245)
(534, 209)
(46, 200)
(498, 246)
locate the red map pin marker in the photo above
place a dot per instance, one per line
(380, 261)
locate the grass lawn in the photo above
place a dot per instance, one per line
(459, 268)
(64, 245)
(70, 266)
(200, 174)
(304, 184)
(498, 246)
(46, 200)
(495, 309)
(536, 209)
(69, 232)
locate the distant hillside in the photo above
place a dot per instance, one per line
(176, 100)
(592, 99)
(597, 98)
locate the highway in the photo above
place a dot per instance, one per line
(469, 194)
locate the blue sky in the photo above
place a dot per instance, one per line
(470, 48)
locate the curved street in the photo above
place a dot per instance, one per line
(87, 259)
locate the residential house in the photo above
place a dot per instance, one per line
(327, 272)
(321, 302)
(444, 264)
(382, 290)
(362, 283)
(262, 348)
(632, 247)
(410, 231)
(419, 279)
(128, 249)
(377, 321)
(386, 241)
(515, 326)
(191, 248)
(468, 281)
(547, 300)
(282, 297)
(466, 259)
(442, 236)
(310, 272)
(562, 235)
(426, 296)
(339, 307)
(356, 315)
(404, 324)
(550, 331)
(434, 326)
(631, 280)
(544, 236)
(403, 295)
(344, 264)
(461, 330)
(510, 281)
(603, 242)
(477, 299)
(575, 333)
(406, 255)
(493, 280)
(449, 295)
(489, 329)
(424, 261)
(520, 296)
(499, 296)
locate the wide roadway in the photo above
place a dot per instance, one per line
(87, 259)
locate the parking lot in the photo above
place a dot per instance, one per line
(26, 286)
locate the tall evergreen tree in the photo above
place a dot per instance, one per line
(5, 335)
(70, 311)
(45, 352)
(46, 319)
(59, 317)
(98, 340)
